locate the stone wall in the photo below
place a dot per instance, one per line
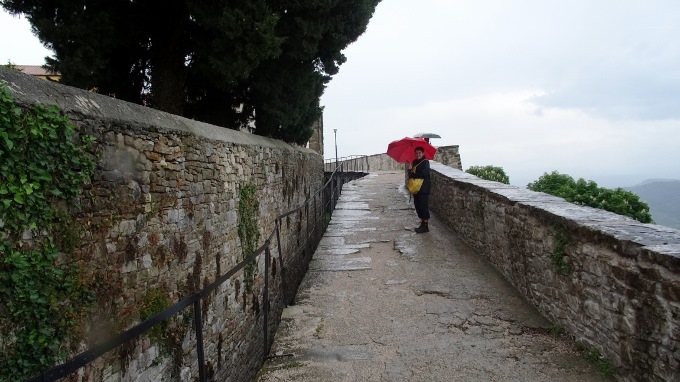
(449, 156)
(382, 162)
(613, 283)
(162, 214)
(368, 163)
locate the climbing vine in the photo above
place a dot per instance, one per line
(43, 296)
(559, 254)
(155, 301)
(247, 229)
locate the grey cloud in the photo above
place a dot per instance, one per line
(620, 94)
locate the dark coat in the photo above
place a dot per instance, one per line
(423, 172)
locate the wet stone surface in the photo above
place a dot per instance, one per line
(382, 303)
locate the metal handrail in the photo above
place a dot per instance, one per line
(352, 163)
(335, 183)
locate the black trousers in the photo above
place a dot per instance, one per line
(421, 202)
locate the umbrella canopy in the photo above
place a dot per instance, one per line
(403, 150)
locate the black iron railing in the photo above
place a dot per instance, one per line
(352, 163)
(322, 202)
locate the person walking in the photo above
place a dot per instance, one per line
(420, 169)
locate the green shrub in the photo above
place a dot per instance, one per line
(587, 193)
(493, 173)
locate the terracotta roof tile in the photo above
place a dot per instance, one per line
(35, 70)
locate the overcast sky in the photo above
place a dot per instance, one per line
(17, 43)
(588, 88)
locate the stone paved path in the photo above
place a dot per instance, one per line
(382, 303)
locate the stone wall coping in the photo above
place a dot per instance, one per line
(28, 90)
(622, 229)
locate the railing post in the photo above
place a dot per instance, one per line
(307, 214)
(316, 220)
(267, 259)
(332, 199)
(336, 191)
(283, 272)
(198, 327)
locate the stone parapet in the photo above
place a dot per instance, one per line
(449, 156)
(613, 283)
(366, 163)
(382, 162)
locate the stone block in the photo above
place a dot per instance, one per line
(626, 325)
(671, 289)
(152, 156)
(147, 261)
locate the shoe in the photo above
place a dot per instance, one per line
(422, 228)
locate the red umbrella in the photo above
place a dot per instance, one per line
(403, 150)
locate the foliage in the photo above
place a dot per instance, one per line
(587, 193)
(558, 254)
(248, 232)
(155, 301)
(286, 89)
(292, 365)
(168, 334)
(493, 173)
(603, 365)
(41, 158)
(556, 330)
(42, 297)
(224, 62)
(10, 65)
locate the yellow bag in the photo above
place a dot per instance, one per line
(414, 185)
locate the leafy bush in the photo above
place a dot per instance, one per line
(493, 173)
(587, 193)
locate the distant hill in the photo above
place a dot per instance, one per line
(663, 198)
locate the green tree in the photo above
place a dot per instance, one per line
(144, 52)
(10, 65)
(489, 172)
(587, 193)
(222, 62)
(286, 90)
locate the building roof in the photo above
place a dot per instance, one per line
(35, 70)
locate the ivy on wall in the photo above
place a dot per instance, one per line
(43, 295)
(248, 207)
(559, 254)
